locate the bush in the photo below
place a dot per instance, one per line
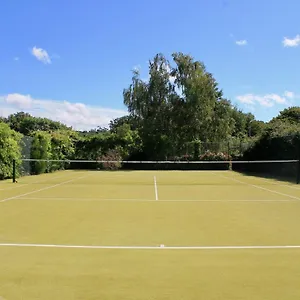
(186, 157)
(112, 160)
(40, 150)
(10, 150)
(275, 147)
(212, 156)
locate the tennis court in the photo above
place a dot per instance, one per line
(149, 235)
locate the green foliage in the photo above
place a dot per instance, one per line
(242, 123)
(290, 115)
(26, 124)
(129, 120)
(179, 113)
(9, 150)
(212, 156)
(128, 141)
(149, 105)
(178, 105)
(40, 149)
(62, 147)
(280, 140)
(112, 160)
(122, 139)
(93, 146)
(257, 128)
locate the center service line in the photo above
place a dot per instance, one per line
(155, 189)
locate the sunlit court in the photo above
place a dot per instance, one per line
(149, 235)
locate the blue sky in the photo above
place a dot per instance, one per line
(71, 60)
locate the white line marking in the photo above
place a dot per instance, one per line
(155, 188)
(34, 182)
(151, 247)
(43, 189)
(271, 182)
(259, 187)
(149, 200)
(289, 186)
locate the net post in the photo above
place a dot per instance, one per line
(298, 172)
(228, 150)
(14, 171)
(228, 157)
(298, 164)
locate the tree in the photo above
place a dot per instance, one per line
(222, 123)
(129, 119)
(62, 148)
(280, 139)
(25, 123)
(148, 103)
(242, 122)
(178, 106)
(10, 150)
(291, 115)
(40, 150)
(127, 141)
(256, 128)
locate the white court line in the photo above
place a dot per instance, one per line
(260, 187)
(275, 183)
(289, 186)
(20, 185)
(163, 247)
(43, 189)
(155, 188)
(147, 200)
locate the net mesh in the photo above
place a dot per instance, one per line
(278, 169)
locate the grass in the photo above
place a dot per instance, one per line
(119, 209)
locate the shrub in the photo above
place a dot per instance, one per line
(40, 150)
(186, 157)
(112, 160)
(10, 150)
(212, 156)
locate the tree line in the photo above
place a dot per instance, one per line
(178, 113)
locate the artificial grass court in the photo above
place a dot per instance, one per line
(149, 235)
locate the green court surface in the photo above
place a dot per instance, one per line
(145, 235)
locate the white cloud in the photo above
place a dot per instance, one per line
(246, 99)
(78, 115)
(287, 42)
(267, 100)
(16, 58)
(19, 101)
(241, 42)
(41, 55)
(289, 94)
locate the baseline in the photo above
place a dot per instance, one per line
(160, 247)
(149, 200)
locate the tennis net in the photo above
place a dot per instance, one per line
(287, 170)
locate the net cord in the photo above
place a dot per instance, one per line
(162, 161)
